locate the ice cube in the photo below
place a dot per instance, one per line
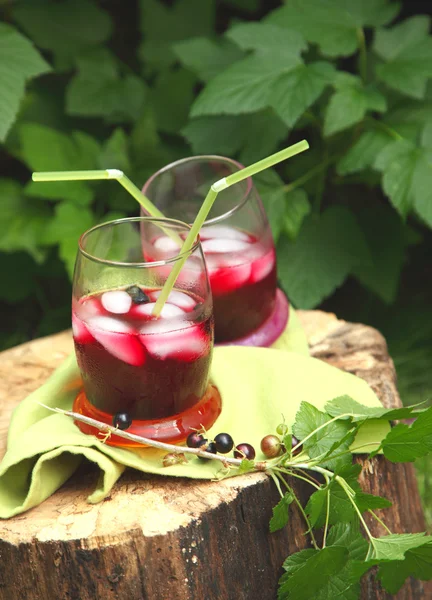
(222, 245)
(262, 266)
(118, 339)
(166, 244)
(168, 311)
(177, 298)
(185, 344)
(222, 231)
(228, 279)
(80, 332)
(88, 308)
(117, 302)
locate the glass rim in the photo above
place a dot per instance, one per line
(207, 158)
(143, 264)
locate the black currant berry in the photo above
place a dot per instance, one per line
(194, 440)
(122, 420)
(224, 443)
(208, 447)
(244, 451)
(271, 446)
(137, 295)
(294, 442)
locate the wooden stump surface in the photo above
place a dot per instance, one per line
(157, 538)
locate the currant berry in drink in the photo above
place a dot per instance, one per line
(132, 362)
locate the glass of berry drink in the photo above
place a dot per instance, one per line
(237, 243)
(154, 370)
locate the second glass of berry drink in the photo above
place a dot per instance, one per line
(151, 370)
(237, 243)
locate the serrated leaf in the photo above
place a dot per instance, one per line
(19, 62)
(163, 25)
(296, 560)
(22, 222)
(394, 546)
(333, 24)
(246, 466)
(66, 27)
(417, 563)
(407, 48)
(364, 152)
(280, 513)
(296, 91)
(370, 502)
(324, 564)
(98, 90)
(405, 444)
(358, 412)
(264, 37)
(244, 87)
(65, 228)
(46, 149)
(297, 208)
(324, 253)
(206, 57)
(349, 105)
(349, 536)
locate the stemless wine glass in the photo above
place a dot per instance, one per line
(152, 370)
(237, 243)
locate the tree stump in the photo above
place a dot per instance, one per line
(158, 538)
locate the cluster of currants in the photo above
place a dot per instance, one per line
(222, 443)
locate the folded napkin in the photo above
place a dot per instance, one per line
(258, 387)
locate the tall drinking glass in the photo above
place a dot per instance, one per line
(153, 370)
(237, 243)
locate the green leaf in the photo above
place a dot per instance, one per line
(421, 186)
(324, 253)
(426, 135)
(280, 513)
(405, 444)
(335, 435)
(246, 466)
(18, 277)
(296, 560)
(22, 222)
(296, 91)
(407, 50)
(333, 24)
(404, 174)
(264, 126)
(205, 57)
(115, 152)
(367, 502)
(324, 564)
(297, 209)
(66, 227)
(244, 87)
(19, 62)
(349, 105)
(264, 37)
(364, 152)
(394, 546)
(357, 412)
(171, 95)
(417, 563)
(45, 149)
(162, 26)
(270, 188)
(65, 28)
(98, 89)
(349, 536)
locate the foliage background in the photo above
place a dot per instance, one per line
(136, 85)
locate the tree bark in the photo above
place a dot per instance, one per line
(157, 538)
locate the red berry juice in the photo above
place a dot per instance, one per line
(131, 362)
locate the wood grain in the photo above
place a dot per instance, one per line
(158, 538)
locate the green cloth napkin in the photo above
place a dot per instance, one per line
(257, 385)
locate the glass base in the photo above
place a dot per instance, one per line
(270, 330)
(172, 430)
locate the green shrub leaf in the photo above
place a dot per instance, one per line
(205, 57)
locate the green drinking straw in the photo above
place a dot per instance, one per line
(104, 174)
(217, 187)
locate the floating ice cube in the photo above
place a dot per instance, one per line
(80, 332)
(222, 231)
(187, 344)
(228, 279)
(88, 308)
(262, 266)
(118, 339)
(117, 302)
(177, 298)
(166, 244)
(168, 311)
(221, 245)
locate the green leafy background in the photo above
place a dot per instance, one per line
(134, 86)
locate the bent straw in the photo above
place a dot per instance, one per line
(217, 187)
(103, 174)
